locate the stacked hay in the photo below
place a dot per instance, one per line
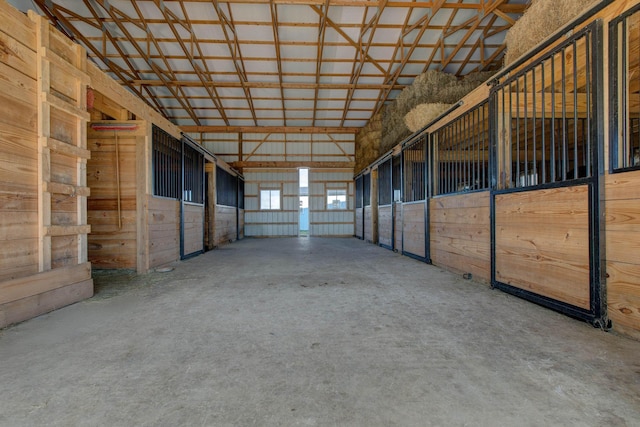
(539, 21)
(431, 87)
(423, 114)
(368, 142)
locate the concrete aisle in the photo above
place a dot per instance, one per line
(326, 332)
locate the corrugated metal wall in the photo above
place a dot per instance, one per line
(279, 147)
(330, 222)
(281, 222)
(284, 222)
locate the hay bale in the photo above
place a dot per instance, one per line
(540, 20)
(423, 114)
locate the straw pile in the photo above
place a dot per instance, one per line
(431, 87)
(423, 114)
(539, 21)
(368, 142)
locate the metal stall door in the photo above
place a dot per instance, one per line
(546, 209)
(385, 205)
(192, 202)
(415, 235)
(359, 211)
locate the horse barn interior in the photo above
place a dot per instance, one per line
(307, 212)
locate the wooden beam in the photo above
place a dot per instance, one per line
(292, 165)
(267, 129)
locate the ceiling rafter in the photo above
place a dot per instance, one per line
(319, 54)
(347, 38)
(358, 64)
(384, 94)
(276, 38)
(203, 76)
(290, 64)
(235, 52)
(113, 12)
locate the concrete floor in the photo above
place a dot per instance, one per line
(312, 332)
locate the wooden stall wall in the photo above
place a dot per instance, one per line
(397, 226)
(337, 219)
(112, 207)
(193, 228)
(164, 230)
(413, 229)
(43, 229)
(385, 226)
(623, 247)
(226, 225)
(461, 233)
(359, 223)
(368, 224)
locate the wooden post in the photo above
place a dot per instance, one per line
(143, 170)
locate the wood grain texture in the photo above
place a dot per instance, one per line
(542, 243)
(622, 207)
(397, 227)
(413, 229)
(193, 228)
(112, 204)
(460, 234)
(368, 224)
(359, 223)
(226, 225)
(385, 225)
(164, 231)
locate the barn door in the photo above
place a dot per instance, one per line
(192, 202)
(546, 209)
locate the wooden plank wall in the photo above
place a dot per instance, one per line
(112, 206)
(622, 192)
(164, 230)
(413, 228)
(18, 146)
(226, 225)
(43, 156)
(368, 224)
(542, 242)
(193, 228)
(460, 233)
(241, 223)
(385, 225)
(397, 227)
(359, 223)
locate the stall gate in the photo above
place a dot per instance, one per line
(546, 209)
(385, 207)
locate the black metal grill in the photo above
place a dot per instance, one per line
(545, 117)
(226, 188)
(359, 191)
(366, 190)
(624, 33)
(167, 154)
(461, 153)
(414, 170)
(193, 175)
(384, 183)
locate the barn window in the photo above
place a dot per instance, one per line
(625, 90)
(167, 154)
(461, 153)
(336, 199)
(269, 199)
